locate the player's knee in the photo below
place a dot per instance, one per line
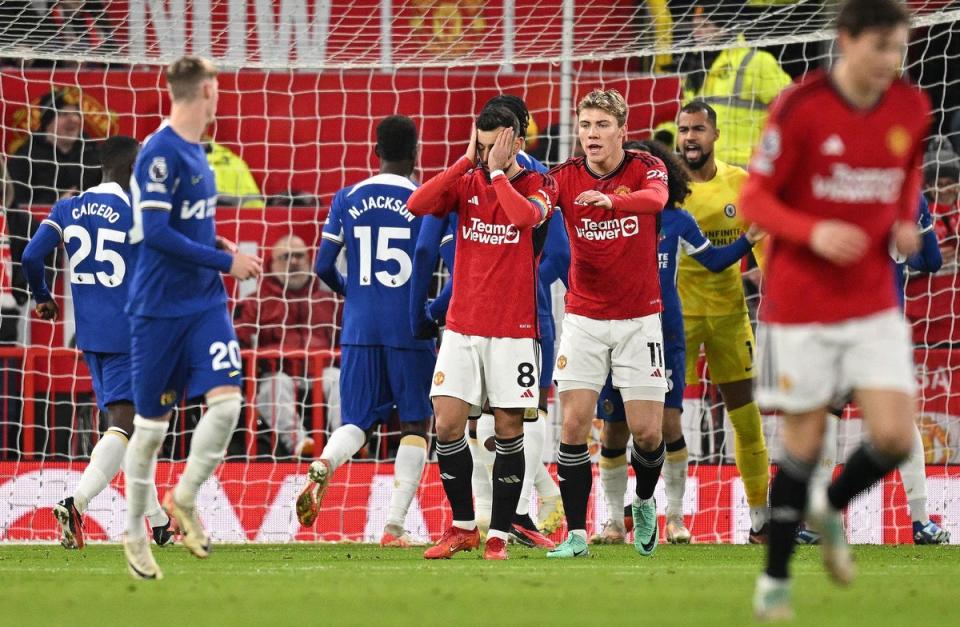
(121, 417)
(448, 431)
(615, 435)
(415, 429)
(647, 438)
(893, 443)
(575, 431)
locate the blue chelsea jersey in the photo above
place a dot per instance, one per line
(371, 220)
(172, 175)
(94, 228)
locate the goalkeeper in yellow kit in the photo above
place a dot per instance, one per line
(714, 309)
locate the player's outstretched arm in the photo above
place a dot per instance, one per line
(158, 234)
(44, 242)
(326, 267)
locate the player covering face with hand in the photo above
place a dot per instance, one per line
(489, 351)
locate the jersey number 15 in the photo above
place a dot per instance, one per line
(384, 253)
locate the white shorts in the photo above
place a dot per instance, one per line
(630, 350)
(803, 367)
(502, 370)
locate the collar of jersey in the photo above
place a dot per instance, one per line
(612, 172)
(385, 179)
(110, 188)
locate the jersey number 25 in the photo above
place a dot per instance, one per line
(102, 254)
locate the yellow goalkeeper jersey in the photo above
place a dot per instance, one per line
(714, 205)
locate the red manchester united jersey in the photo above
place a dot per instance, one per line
(822, 158)
(495, 267)
(613, 252)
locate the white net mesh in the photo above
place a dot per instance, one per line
(303, 84)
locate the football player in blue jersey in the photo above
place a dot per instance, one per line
(437, 237)
(93, 228)
(678, 231)
(183, 343)
(382, 364)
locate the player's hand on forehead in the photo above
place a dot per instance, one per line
(499, 155)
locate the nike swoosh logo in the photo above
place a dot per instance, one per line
(579, 553)
(196, 179)
(234, 373)
(648, 546)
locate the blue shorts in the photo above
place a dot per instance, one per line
(175, 358)
(676, 358)
(111, 377)
(610, 404)
(547, 353)
(374, 379)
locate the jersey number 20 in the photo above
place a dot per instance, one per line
(102, 254)
(384, 253)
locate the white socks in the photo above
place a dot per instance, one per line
(411, 456)
(343, 444)
(105, 462)
(533, 434)
(823, 473)
(675, 480)
(208, 446)
(613, 480)
(140, 466)
(483, 470)
(913, 471)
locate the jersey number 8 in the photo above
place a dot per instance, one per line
(102, 254)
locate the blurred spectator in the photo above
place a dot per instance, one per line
(291, 311)
(236, 186)
(56, 161)
(738, 81)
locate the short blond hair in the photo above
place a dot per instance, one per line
(186, 74)
(610, 101)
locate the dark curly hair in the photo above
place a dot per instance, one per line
(678, 178)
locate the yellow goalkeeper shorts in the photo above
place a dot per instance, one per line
(729, 345)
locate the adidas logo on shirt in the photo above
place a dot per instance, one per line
(473, 201)
(527, 394)
(833, 146)
(657, 373)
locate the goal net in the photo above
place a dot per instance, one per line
(303, 84)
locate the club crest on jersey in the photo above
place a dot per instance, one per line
(607, 407)
(898, 140)
(561, 362)
(438, 378)
(158, 170)
(623, 190)
(168, 398)
(785, 383)
(730, 210)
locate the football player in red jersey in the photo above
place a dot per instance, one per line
(490, 350)
(610, 199)
(835, 182)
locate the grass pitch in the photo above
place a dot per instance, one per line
(296, 585)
